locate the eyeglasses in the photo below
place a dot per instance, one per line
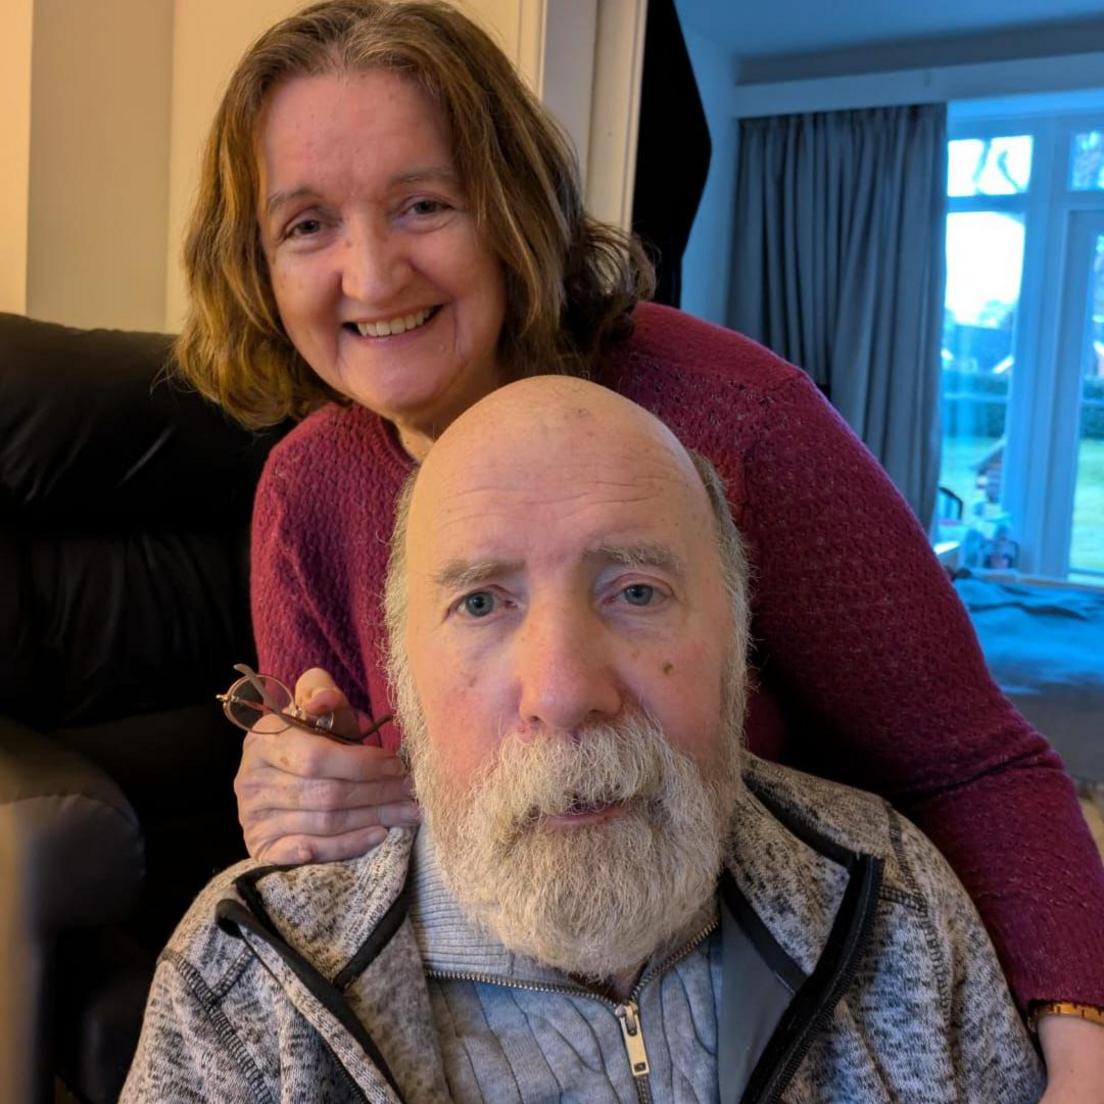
(254, 696)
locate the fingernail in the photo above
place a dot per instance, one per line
(408, 784)
(394, 767)
(377, 837)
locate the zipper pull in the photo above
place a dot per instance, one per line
(628, 1014)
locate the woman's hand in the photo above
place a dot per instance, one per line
(303, 798)
(1073, 1050)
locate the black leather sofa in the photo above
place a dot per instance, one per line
(124, 513)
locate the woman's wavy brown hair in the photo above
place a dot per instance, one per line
(571, 282)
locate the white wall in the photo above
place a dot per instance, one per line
(15, 152)
(617, 62)
(209, 36)
(99, 162)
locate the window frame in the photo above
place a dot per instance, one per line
(1042, 420)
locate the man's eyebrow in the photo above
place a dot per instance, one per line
(641, 554)
(461, 574)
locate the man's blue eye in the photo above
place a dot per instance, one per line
(639, 594)
(479, 604)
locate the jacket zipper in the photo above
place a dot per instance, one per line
(863, 924)
(627, 1012)
(628, 1016)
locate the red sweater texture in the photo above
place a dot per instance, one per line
(868, 669)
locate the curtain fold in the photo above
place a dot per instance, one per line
(838, 267)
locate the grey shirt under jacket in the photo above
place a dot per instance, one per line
(853, 969)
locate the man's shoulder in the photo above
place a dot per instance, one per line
(295, 903)
(832, 817)
(928, 1011)
(198, 940)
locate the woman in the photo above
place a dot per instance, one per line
(388, 228)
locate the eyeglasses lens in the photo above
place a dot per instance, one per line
(246, 704)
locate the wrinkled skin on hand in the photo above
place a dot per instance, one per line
(304, 798)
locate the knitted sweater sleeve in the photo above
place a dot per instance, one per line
(293, 580)
(864, 641)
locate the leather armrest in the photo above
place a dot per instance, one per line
(71, 848)
(71, 854)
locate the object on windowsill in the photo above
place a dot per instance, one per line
(1000, 552)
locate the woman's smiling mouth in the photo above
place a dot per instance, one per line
(393, 326)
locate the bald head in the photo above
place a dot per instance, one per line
(520, 434)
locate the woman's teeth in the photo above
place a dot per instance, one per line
(394, 326)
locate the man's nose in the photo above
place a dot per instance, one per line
(374, 265)
(565, 669)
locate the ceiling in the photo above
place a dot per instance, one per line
(754, 28)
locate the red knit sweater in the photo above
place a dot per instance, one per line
(868, 668)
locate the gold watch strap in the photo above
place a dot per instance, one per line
(1064, 1008)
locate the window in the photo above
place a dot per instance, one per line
(1023, 340)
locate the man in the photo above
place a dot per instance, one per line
(609, 900)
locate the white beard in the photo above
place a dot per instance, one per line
(595, 900)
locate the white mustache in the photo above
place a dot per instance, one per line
(552, 775)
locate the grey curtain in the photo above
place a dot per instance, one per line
(838, 267)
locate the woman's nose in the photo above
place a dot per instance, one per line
(374, 266)
(565, 670)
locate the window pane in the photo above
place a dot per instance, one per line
(989, 166)
(1087, 540)
(984, 262)
(1087, 161)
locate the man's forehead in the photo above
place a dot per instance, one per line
(647, 502)
(502, 485)
(554, 471)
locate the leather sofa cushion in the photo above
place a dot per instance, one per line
(124, 513)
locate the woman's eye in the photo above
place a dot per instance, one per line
(426, 207)
(639, 594)
(479, 604)
(304, 228)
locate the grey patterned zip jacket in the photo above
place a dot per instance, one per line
(876, 980)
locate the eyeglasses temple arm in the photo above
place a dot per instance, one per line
(255, 682)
